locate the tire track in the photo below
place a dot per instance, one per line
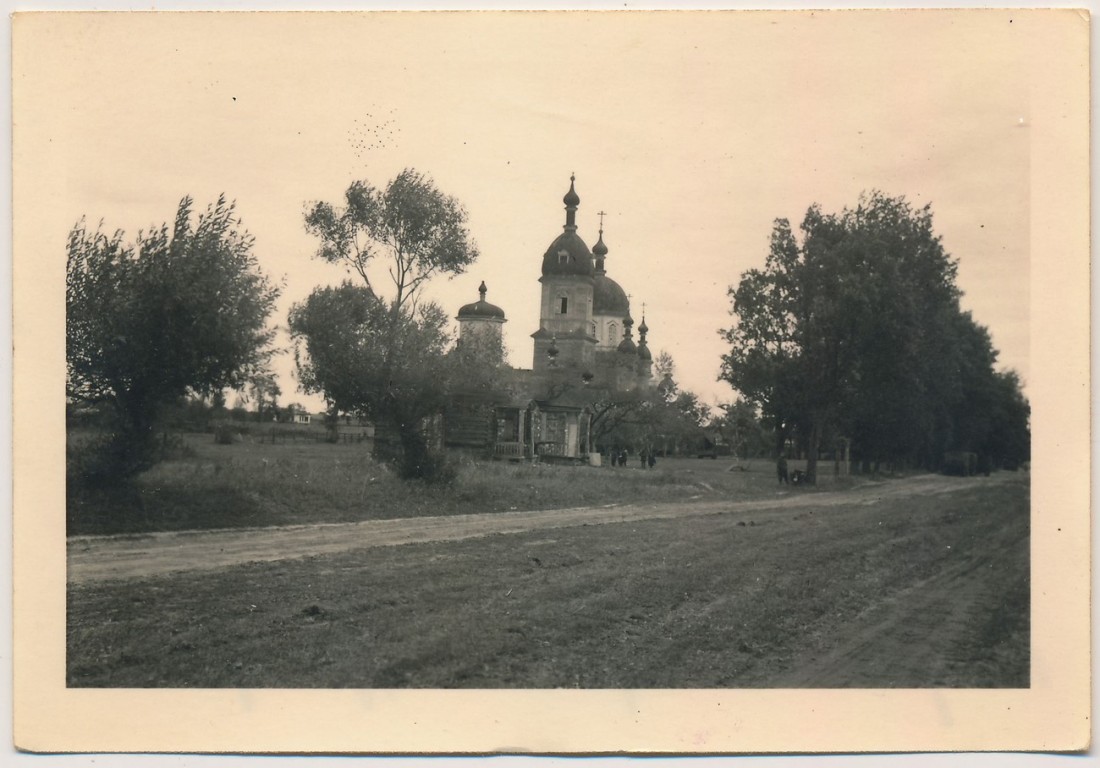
(106, 558)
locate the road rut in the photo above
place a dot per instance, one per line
(109, 558)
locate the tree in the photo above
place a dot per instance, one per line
(418, 230)
(385, 359)
(663, 417)
(181, 310)
(856, 331)
(740, 428)
(677, 416)
(266, 393)
(365, 359)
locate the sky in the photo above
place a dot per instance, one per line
(692, 131)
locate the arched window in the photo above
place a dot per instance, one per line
(563, 305)
(612, 333)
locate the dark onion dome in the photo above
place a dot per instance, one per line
(643, 348)
(627, 344)
(599, 249)
(608, 297)
(567, 255)
(481, 309)
(571, 199)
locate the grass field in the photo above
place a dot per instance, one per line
(921, 591)
(258, 484)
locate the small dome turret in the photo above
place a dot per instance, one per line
(627, 344)
(643, 348)
(608, 297)
(571, 199)
(599, 249)
(481, 309)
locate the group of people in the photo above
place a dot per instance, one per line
(794, 478)
(646, 458)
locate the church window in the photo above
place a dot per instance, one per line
(564, 306)
(612, 333)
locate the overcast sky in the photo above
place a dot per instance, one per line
(692, 131)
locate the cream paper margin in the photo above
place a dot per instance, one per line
(1051, 715)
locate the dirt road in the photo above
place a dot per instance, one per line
(107, 558)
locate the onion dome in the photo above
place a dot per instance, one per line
(568, 254)
(643, 348)
(627, 344)
(599, 249)
(571, 199)
(481, 309)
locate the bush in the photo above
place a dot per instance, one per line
(109, 460)
(420, 463)
(97, 462)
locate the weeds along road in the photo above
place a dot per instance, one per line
(108, 558)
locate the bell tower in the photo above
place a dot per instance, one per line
(565, 316)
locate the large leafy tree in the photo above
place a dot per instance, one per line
(366, 359)
(855, 329)
(410, 229)
(386, 358)
(181, 310)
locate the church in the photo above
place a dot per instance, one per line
(584, 357)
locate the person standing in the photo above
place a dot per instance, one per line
(781, 470)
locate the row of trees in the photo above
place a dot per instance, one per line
(854, 330)
(183, 312)
(672, 421)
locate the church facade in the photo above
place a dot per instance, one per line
(584, 355)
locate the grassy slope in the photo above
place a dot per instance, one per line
(255, 484)
(716, 601)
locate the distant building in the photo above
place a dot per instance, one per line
(584, 353)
